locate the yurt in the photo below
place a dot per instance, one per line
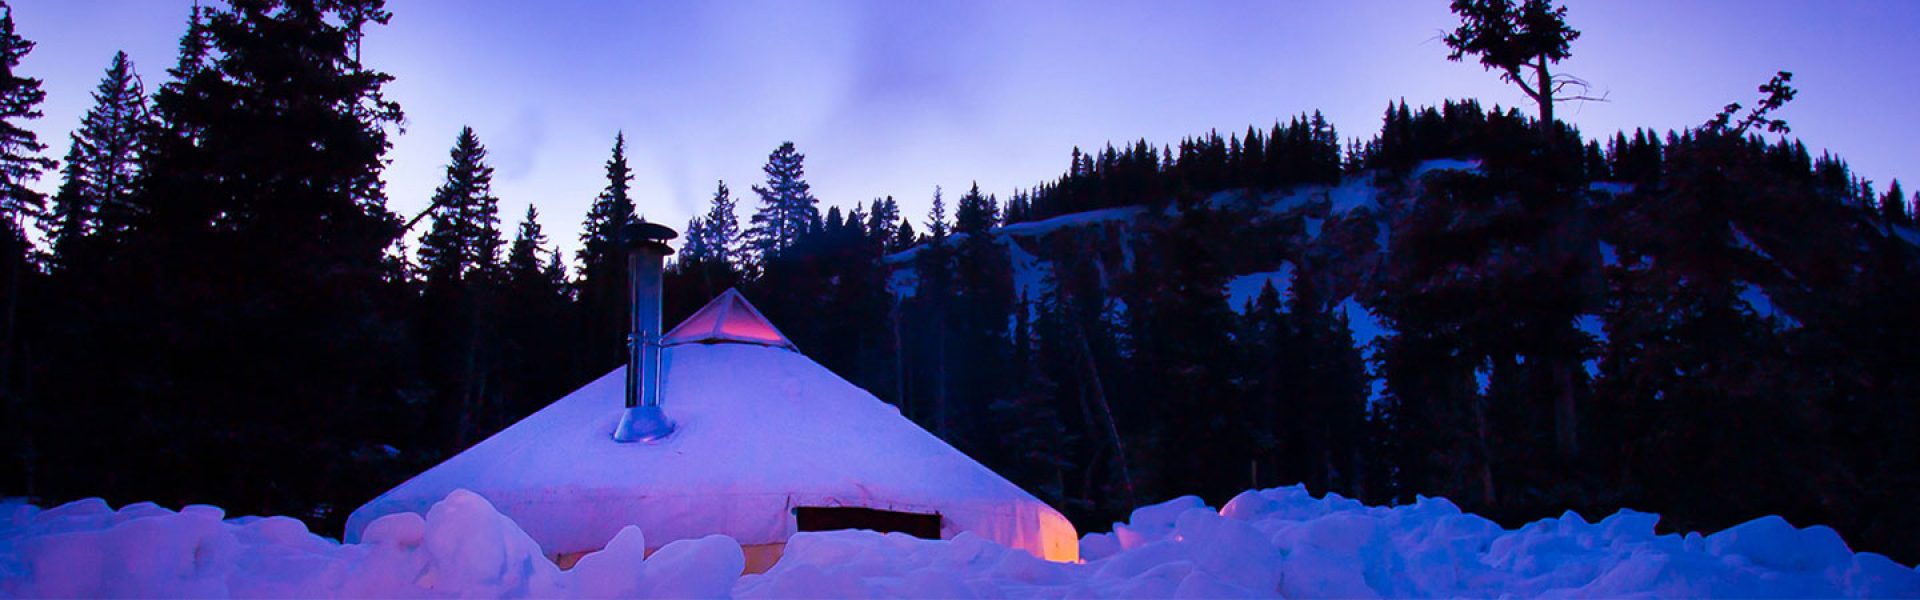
(760, 442)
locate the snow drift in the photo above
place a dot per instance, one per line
(1267, 543)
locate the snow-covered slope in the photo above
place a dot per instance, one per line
(1344, 225)
(1268, 543)
(1106, 237)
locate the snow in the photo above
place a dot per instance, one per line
(1030, 271)
(1124, 214)
(1445, 164)
(1757, 299)
(760, 430)
(1030, 274)
(903, 283)
(1745, 243)
(1911, 235)
(1611, 187)
(461, 548)
(1594, 326)
(1244, 289)
(1366, 328)
(1353, 194)
(1609, 255)
(1279, 542)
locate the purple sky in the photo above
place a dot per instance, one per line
(887, 97)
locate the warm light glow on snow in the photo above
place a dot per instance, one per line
(1059, 541)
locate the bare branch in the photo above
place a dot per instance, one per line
(1563, 81)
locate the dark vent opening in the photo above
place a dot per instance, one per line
(830, 518)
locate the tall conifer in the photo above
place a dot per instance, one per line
(20, 163)
(603, 266)
(721, 226)
(787, 206)
(465, 236)
(20, 148)
(103, 162)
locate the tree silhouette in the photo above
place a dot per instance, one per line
(1522, 42)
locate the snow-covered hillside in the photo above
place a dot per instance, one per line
(1346, 225)
(1267, 543)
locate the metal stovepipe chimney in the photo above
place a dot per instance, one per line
(647, 251)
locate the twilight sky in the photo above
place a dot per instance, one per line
(893, 98)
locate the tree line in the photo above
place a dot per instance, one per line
(220, 307)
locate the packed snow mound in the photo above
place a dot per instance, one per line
(1278, 542)
(462, 548)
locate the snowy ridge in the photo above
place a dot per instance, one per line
(1124, 214)
(1279, 542)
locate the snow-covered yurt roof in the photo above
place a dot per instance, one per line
(761, 430)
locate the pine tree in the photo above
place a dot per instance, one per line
(1019, 208)
(524, 266)
(721, 226)
(603, 267)
(196, 46)
(263, 249)
(20, 163)
(1518, 40)
(1180, 321)
(857, 221)
(1330, 388)
(975, 214)
(933, 295)
(613, 209)
(983, 304)
(534, 353)
(695, 249)
(96, 195)
(465, 237)
(937, 226)
(881, 226)
(460, 256)
(1033, 434)
(787, 206)
(711, 257)
(903, 236)
(1893, 206)
(20, 148)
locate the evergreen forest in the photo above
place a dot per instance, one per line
(218, 305)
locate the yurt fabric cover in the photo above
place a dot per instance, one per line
(762, 430)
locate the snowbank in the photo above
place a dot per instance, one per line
(461, 548)
(1268, 543)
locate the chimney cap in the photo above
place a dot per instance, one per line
(639, 232)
